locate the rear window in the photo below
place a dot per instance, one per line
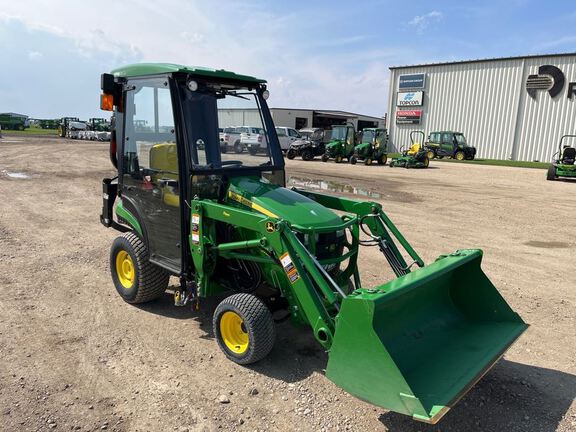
(230, 130)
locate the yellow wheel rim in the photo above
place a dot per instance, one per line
(125, 269)
(459, 156)
(430, 155)
(233, 332)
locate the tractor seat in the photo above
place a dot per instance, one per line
(414, 149)
(164, 159)
(569, 156)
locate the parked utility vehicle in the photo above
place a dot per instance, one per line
(226, 225)
(450, 144)
(310, 144)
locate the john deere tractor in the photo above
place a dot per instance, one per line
(341, 145)
(563, 161)
(414, 157)
(226, 225)
(372, 147)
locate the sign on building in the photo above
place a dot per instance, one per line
(408, 116)
(414, 81)
(410, 98)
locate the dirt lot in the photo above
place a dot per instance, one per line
(73, 356)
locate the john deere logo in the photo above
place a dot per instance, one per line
(270, 227)
(549, 78)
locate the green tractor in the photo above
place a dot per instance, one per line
(226, 226)
(449, 144)
(414, 157)
(64, 125)
(563, 161)
(342, 143)
(373, 147)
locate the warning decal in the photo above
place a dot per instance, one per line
(289, 267)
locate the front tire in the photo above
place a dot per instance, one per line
(325, 157)
(353, 160)
(431, 154)
(459, 156)
(244, 328)
(291, 154)
(368, 161)
(383, 159)
(551, 174)
(238, 147)
(136, 279)
(338, 159)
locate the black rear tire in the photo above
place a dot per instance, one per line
(551, 174)
(291, 154)
(353, 160)
(325, 157)
(148, 281)
(307, 155)
(238, 147)
(256, 328)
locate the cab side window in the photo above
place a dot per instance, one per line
(150, 140)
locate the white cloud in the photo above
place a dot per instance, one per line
(421, 22)
(35, 55)
(245, 38)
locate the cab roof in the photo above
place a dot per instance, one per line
(449, 132)
(144, 69)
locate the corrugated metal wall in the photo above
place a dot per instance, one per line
(488, 102)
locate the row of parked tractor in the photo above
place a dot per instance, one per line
(344, 143)
(95, 129)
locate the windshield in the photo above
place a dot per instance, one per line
(368, 136)
(232, 108)
(339, 133)
(460, 139)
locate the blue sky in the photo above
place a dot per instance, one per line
(323, 54)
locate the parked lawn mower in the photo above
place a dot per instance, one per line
(341, 145)
(373, 147)
(310, 145)
(563, 164)
(226, 226)
(414, 157)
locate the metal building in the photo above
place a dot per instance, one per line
(298, 118)
(509, 108)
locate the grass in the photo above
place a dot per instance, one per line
(31, 131)
(497, 162)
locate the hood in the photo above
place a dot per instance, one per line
(279, 202)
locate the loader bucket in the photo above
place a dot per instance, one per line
(418, 343)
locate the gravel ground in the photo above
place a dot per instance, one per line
(73, 356)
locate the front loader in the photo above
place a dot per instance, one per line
(225, 225)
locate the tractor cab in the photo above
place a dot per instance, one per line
(563, 161)
(372, 147)
(342, 142)
(166, 146)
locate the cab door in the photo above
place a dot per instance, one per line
(447, 144)
(150, 177)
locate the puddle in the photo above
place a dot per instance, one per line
(548, 244)
(331, 186)
(13, 175)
